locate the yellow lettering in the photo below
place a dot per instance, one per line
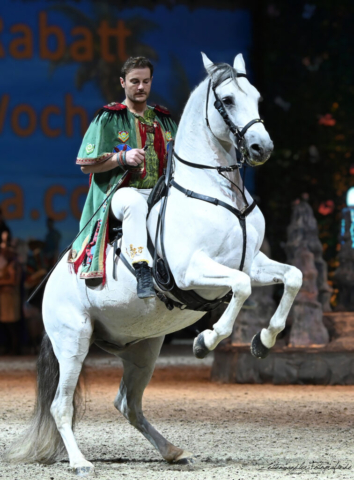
(105, 31)
(45, 31)
(29, 111)
(82, 49)
(122, 33)
(5, 99)
(21, 47)
(12, 207)
(49, 110)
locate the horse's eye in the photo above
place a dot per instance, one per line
(228, 101)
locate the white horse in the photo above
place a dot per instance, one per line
(204, 244)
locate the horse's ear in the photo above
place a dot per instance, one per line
(239, 64)
(208, 64)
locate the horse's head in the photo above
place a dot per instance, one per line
(239, 99)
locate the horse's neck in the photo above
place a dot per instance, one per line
(196, 144)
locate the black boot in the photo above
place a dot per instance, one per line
(144, 277)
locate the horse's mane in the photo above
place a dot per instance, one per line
(221, 72)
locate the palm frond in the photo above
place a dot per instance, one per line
(85, 73)
(76, 16)
(66, 59)
(140, 25)
(104, 74)
(141, 50)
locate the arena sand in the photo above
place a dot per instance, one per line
(236, 432)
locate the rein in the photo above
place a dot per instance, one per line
(220, 171)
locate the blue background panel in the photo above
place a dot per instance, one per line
(48, 98)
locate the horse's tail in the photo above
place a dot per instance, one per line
(41, 442)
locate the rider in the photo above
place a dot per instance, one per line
(138, 136)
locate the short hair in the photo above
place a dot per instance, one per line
(136, 62)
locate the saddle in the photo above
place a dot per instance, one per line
(163, 277)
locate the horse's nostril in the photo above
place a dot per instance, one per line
(256, 147)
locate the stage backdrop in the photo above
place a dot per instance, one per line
(60, 62)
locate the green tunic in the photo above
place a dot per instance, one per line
(114, 127)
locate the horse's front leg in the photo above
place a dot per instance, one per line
(268, 272)
(204, 274)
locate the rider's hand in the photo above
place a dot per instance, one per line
(135, 157)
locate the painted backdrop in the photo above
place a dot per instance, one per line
(60, 63)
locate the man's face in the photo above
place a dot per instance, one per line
(137, 84)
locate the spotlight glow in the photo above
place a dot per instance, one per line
(350, 197)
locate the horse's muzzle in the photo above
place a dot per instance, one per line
(259, 153)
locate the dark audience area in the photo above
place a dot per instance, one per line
(23, 265)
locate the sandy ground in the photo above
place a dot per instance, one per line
(235, 431)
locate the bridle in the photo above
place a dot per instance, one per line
(241, 153)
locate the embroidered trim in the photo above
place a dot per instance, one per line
(123, 136)
(90, 148)
(138, 136)
(93, 161)
(79, 254)
(90, 245)
(133, 252)
(103, 246)
(91, 275)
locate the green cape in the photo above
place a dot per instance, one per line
(115, 126)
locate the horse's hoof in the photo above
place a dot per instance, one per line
(186, 458)
(85, 471)
(258, 350)
(199, 348)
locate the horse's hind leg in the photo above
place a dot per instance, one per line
(71, 346)
(139, 362)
